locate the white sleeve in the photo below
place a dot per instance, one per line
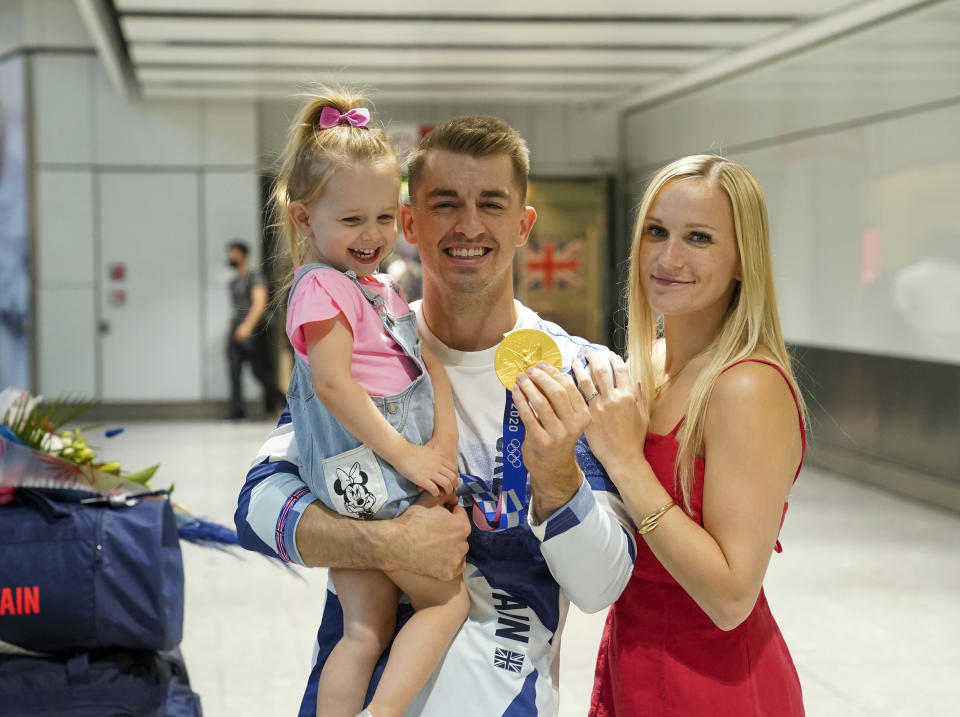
(273, 497)
(589, 543)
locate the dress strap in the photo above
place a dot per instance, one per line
(673, 433)
(796, 401)
(803, 431)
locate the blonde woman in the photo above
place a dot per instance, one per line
(703, 447)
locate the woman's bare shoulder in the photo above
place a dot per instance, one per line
(752, 387)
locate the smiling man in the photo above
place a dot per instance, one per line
(569, 541)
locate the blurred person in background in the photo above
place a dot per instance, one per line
(248, 340)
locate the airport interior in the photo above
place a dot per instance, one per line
(140, 138)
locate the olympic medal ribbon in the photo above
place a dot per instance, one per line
(502, 503)
(514, 489)
(487, 505)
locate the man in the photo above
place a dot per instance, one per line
(247, 340)
(467, 217)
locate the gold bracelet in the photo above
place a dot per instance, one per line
(651, 522)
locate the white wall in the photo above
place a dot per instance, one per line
(564, 140)
(867, 236)
(160, 187)
(41, 23)
(87, 140)
(11, 25)
(855, 144)
(54, 23)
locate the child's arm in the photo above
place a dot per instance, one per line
(445, 434)
(329, 350)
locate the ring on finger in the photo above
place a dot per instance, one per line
(596, 392)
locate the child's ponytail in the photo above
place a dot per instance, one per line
(331, 131)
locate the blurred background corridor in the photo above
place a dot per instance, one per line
(138, 140)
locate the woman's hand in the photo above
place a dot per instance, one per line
(554, 417)
(618, 412)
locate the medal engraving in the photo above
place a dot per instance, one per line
(522, 349)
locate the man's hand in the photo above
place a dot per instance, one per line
(428, 538)
(554, 417)
(431, 538)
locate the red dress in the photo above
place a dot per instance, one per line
(662, 656)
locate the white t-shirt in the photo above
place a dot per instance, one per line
(478, 395)
(504, 661)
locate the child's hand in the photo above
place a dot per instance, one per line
(429, 469)
(446, 446)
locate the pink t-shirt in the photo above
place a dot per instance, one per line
(378, 364)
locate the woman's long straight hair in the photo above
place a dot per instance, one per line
(752, 323)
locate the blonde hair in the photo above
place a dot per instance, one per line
(475, 136)
(752, 323)
(313, 155)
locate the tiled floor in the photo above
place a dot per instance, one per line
(867, 593)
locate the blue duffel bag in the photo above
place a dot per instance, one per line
(110, 683)
(77, 576)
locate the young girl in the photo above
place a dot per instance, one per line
(362, 394)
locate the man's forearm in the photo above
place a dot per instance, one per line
(551, 494)
(277, 514)
(329, 540)
(428, 538)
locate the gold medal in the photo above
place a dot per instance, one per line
(522, 349)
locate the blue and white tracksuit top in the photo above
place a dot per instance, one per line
(504, 661)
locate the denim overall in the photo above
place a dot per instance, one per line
(340, 470)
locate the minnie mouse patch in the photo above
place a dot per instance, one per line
(355, 483)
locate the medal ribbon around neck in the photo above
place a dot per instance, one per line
(504, 505)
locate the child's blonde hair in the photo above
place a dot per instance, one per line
(312, 156)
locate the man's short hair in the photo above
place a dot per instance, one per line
(476, 136)
(240, 246)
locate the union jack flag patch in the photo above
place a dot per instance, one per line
(507, 660)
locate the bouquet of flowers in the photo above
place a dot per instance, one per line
(36, 453)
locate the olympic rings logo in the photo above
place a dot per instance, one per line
(513, 453)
